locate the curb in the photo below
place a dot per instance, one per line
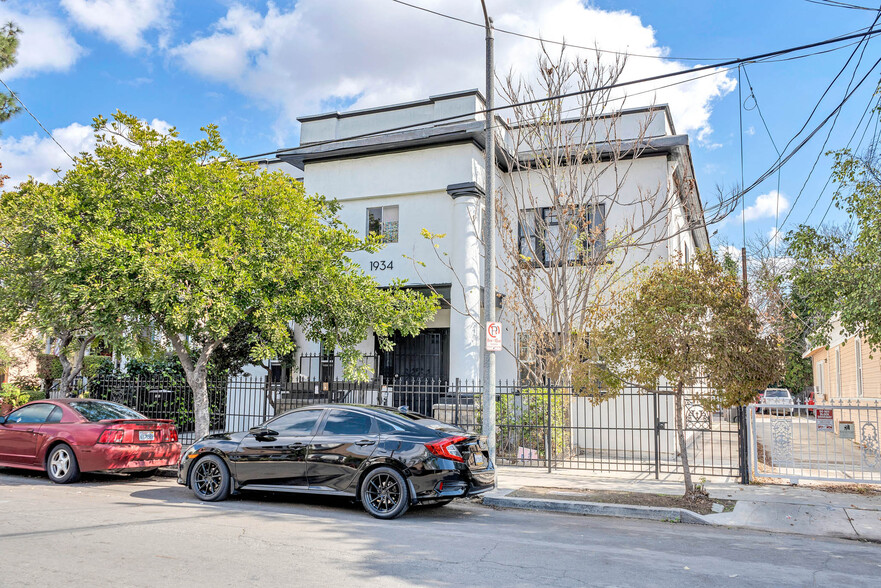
(654, 513)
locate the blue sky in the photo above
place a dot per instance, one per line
(252, 67)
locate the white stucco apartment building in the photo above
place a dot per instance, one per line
(430, 176)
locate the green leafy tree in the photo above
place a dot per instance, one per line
(677, 323)
(839, 273)
(8, 48)
(9, 106)
(51, 273)
(195, 242)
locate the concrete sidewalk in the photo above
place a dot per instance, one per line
(777, 508)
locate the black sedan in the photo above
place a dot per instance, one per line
(387, 459)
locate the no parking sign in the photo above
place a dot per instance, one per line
(493, 336)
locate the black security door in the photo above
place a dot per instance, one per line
(423, 357)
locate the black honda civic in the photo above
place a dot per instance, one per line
(386, 458)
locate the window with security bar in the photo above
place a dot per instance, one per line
(383, 221)
(562, 235)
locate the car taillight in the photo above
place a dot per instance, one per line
(169, 435)
(111, 436)
(446, 448)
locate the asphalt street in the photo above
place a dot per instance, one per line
(116, 531)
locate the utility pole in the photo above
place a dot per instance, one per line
(489, 248)
(743, 265)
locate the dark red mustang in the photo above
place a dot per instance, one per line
(68, 436)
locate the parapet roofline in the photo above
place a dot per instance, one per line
(457, 132)
(400, 106)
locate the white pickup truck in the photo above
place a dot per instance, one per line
(777, 401)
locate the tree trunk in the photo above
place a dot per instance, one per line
(201, 407)
(197, 378)
(71, 369)
(683, 448)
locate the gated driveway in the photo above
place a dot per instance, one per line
(792, 446)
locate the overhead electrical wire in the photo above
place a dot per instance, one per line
(782, 160)
(875, 134)
(33, 116)
(485, 111)
(865, 44)
(834, 4)
(553, 42)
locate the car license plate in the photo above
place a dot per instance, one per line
(146, 435)
(479, 460)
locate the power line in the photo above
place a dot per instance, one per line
(781, 161)
(865, 44)
(754, 58)
(564, 43)
(835, 4)
(28, 110)
(832, 200)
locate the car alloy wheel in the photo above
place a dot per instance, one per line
(62, 466)
(210, 479)
(384, 493)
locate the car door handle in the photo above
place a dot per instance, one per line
(296, 445)
(364, 442)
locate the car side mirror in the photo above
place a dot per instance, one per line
(262, 432)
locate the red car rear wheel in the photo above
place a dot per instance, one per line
(61, 465)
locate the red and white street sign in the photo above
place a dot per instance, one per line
(493, 336)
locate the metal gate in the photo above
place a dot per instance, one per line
(553, 427)
(836, 441)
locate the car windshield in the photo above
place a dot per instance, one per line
(776, 394)
(99, 411)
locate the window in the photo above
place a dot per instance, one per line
(858, 350)
(98, 411)
(385, 428)
(296, 423)
(34, 413)
(383, 221)
(344, 422)
(54, 416)
(553, 236)
(838, 371)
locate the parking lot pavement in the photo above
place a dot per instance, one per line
(114, 531)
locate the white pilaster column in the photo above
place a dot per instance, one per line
(465, 291)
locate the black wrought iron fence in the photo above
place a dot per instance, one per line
(538, 425)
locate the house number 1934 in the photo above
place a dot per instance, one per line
(381, 265)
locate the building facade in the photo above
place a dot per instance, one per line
(846, 369)
(414, 173)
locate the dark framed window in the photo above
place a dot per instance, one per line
(383, 221)
(554, 236)
(346, 422)
(301, 422)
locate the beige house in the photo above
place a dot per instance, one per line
(22, 359)
(846, 369)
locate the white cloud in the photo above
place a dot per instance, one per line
(766, 206)
(45, 44)
(775, 237)
(326, 54)
(123, 22)
(732, 251)
(37, 155)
